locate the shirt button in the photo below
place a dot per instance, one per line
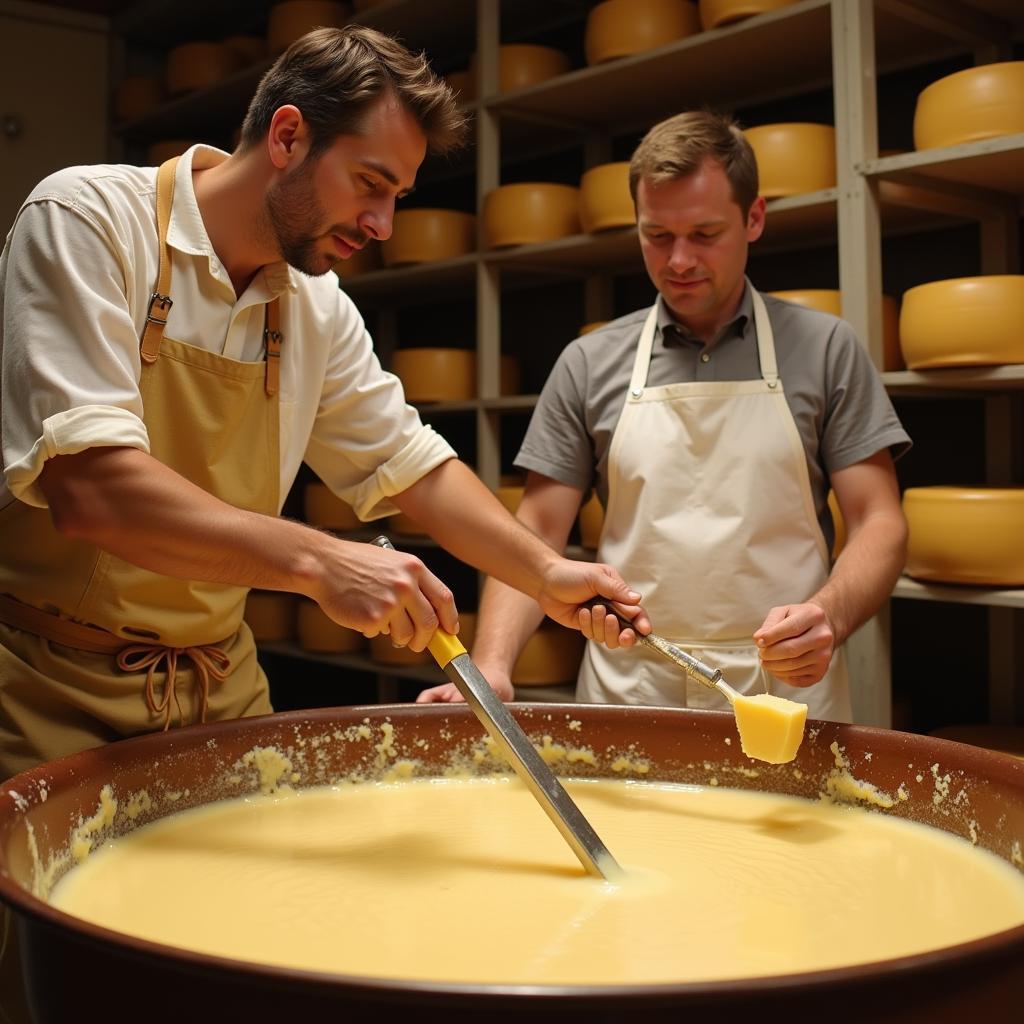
(705, 358)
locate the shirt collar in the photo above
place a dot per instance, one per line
(187, 232)
(674, 334)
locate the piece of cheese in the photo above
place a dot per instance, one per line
(770, 727)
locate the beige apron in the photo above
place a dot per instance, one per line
(711, 517)
(214, 420)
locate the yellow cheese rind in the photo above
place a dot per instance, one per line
(770, 727)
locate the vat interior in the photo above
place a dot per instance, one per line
(968, 792)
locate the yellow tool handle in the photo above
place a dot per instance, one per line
(445, 647)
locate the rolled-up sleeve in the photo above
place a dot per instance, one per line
(367, 443)
(70, 352)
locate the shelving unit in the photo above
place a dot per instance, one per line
(804, 49)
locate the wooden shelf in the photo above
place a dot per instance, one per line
(915, 590)
(200, 115)
(780, 53)
(428, 674)
(439, 280)
(985, 173)
(954, 379)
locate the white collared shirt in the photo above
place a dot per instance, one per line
(76, 276)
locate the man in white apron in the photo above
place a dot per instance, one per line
(711, 426)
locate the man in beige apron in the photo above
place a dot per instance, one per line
(143, 479)
(710, 510)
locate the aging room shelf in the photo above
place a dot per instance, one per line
(427, 674)
(993, 167)
(993, 598)
(955, 380)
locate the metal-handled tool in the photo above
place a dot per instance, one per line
(693, 667)
(449, 653)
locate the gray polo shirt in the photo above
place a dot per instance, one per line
(836, 397)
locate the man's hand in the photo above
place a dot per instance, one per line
(375, 590)
(448, 693)
(568, 585)
(796, 643)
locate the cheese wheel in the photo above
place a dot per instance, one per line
(964, 321)
(436, 374)
(830, 300)
(591, 519)
(248, 49)
(979, 103)
(530, 212)
(551, 655)
(794, 158)
(605, 201)
(318, 632)
(292, 19)
(136, 96)
(510, 495)
(521, 65)
(618, 28)
(966, 535)
(426, 235)
(193, 66)
(714, 13)
(325, 509)
(270, 615)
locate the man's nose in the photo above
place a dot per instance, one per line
(682, 256)
(377, 223)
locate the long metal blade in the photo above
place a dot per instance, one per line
(531, 768)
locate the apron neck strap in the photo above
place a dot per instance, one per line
(273, 339)
(765, 340)
(160, 301)
(765, 346)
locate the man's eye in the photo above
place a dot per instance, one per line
(370, 184)
(703, 236)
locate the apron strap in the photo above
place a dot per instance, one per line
(765, 341)
(209, 660)
(57, 629)
(160, 301)
(273, 339)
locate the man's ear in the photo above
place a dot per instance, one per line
(288, 137)
(755, 219)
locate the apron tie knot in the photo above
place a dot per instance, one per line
(209, 661)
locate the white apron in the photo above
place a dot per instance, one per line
(711, 517)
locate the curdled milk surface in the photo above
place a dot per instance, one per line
(468, 881)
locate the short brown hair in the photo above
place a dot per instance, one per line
(676, 148)
(334, 75)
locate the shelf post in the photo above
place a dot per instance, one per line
(860, 283)
(488, 277)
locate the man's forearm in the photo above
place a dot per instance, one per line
(130, 504)
(506, 619)
(465, 518)
(864, 574)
